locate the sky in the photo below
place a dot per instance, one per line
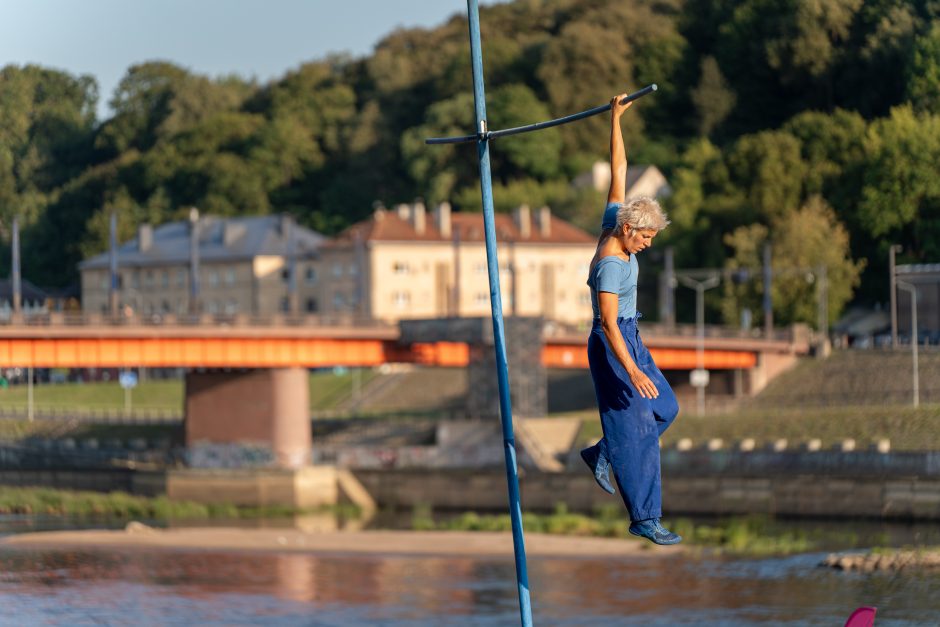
(252, 38)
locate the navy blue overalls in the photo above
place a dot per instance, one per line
(632, 424)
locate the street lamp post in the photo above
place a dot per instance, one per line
(892, 251)
(700, 281)
(912, 290)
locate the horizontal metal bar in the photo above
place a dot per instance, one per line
(539, 125)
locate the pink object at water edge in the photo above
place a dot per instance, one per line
(862, 617)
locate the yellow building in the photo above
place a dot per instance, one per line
(243, 268)
(412, 263)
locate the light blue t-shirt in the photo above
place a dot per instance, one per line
(613, 274)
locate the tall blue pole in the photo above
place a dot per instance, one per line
(502, 369)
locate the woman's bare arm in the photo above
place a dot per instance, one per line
(618, 154)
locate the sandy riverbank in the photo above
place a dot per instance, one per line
(458, 543)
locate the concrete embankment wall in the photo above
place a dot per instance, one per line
(825, 484)
(861, 497)
(144, 483)
(902, 486)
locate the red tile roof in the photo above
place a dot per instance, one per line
(387, 225)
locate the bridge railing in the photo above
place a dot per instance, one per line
(143, 415)
(791, 334)
(80, 318)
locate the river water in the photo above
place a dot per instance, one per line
(145, 587)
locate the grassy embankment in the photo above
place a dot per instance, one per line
(908, 429)
(47, 501)
(327, 390)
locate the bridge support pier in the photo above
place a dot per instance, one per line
(265, 409)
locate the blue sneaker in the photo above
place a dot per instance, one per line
(653, 531)
(599, 466)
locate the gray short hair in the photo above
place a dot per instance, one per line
(641, 212)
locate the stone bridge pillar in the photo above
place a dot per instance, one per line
(527, 376)
(262, 410)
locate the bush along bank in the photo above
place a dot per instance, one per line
(46, 501)
(751, 535)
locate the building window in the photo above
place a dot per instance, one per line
(104, 281)
(401, 299)
(231, 306)
(165, 306)
(285, 304)
(401, 267)
(212, 307)
(230, 276)
(135, 279)
(337, 269)
(481, 299)
(311, 305)
(213, 278)
(164, 279)
(148, 278)
(180, 277)
(310, 275)
(353, 270)
(285, 274)
(339, 301)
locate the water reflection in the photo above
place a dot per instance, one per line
(149, 587)
(146, 587)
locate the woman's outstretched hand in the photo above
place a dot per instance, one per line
(617, 109)
(643, 384)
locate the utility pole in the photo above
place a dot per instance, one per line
(113, 266)
(700, 281)
(668, 290)
(912, 290)
(892, 278)
(293, 301)
(194, 308)
(768, 301)
(822, 296)
(17, 280)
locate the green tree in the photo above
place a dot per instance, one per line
(806, 241)
(769, 168)
(923, 72)
(901, 196)
(713, 99)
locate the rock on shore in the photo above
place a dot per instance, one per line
(925, 558)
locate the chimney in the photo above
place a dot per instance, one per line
(545, 221)
(378, 210)
(523, 218)
(144, 237)
(403, 211)
(231, 232)
(419, 217)
(442, 219)
(284, 224)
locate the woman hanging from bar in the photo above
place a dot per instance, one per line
(635, 402)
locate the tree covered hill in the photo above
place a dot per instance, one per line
(814, 124)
